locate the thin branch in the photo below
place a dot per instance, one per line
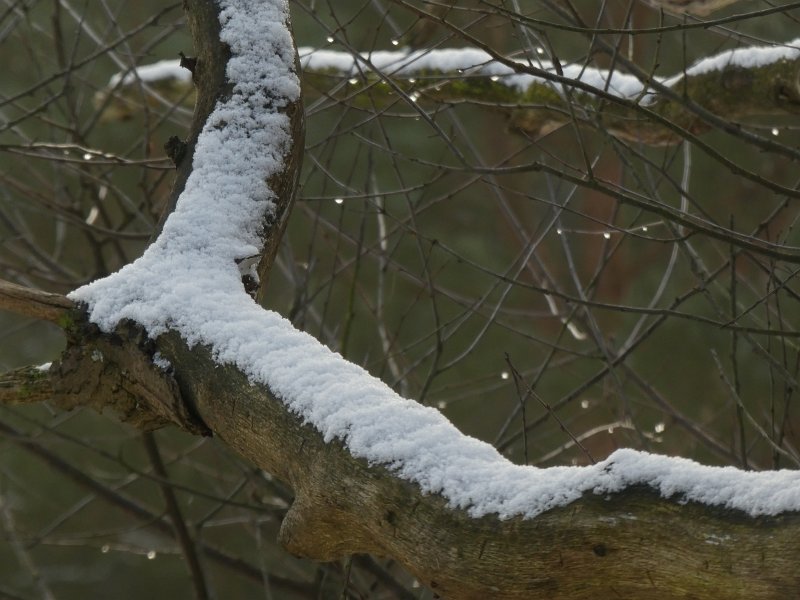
(740, 405)
(184, 538)
(21, 552)
(36, 304)
(142, 513)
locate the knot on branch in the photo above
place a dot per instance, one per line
(176, 150)
(188, 62)
(317, 531)
(116, 370)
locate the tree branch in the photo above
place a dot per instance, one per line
(726, 85)
(25, 385)
(33, 303)
(621, 544)
(730, 85)
(181, 531)
(699, 8)
(152, 519)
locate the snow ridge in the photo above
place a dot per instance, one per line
(472, 61)
(188, 281)
(475, 62)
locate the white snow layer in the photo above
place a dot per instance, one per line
(189, 281)
(471, 61)
(158, 71)
(750, 57)
(475, 62)
(467, 61)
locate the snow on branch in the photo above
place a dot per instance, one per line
(189, 282)
(537, 94)
(467, 62)
(735, 84)
(699, 8)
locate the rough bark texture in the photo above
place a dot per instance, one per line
(25, 385)
(634, 544)
(116, 371)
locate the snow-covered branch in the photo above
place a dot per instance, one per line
(698, 8)
(176, 337)
(636, 525)
(537, 95)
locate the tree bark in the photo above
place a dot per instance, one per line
(34, 303)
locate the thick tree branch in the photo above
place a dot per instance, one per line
(117, 371)
(724, 85)
(208, 78)
(539, 70)
(598, 546)
(537, 106)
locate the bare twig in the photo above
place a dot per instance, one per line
(33, 303)
(142, 513)
(184, 538)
